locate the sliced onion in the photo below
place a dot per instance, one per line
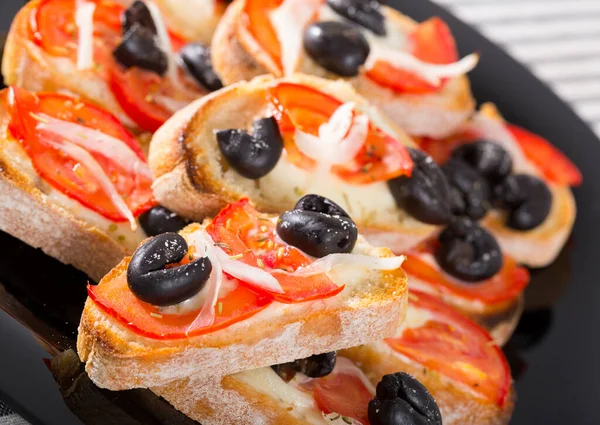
(329, 262)
(169, 103)
(351, 145)
(164, 43)
(88, 161)
(495, 131)
(339, 123)
(432, 73)
(84, 19)
(97, 142)
(255, 276)
(288, 21)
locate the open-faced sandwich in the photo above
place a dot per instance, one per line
(73, 181)
(411, 71)
(125, 60)
(192, 19)
(514, 181)
(273, 140)
(243, 291)
(456, 361)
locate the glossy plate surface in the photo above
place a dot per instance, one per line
(554, 352)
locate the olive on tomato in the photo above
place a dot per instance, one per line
(139, 48)
(468, 252)
(252, 156)
(321, 204)
(150, 280)
(425, 195)
(401, 399)
(336, 46)
(366, 13)
(138, 13)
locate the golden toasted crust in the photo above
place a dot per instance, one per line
(458, 406)
(193, 180)
(28, 214)
(117, 359)
(236, 56)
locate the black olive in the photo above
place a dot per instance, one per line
(138, 48)
(196, 58)
(425, 194)
(366, 13)
(151, 282)
(320, 204)
(336, 46)
(252, 156)
(317, 234)
(490, 159)
(137, 13)
(527, 199)
(468, 252)
(158, 220)
(402, 400)
(316, 366)
(472, 187)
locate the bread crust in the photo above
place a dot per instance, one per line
(29, 215)
(237, 56)
(458, 406)
(116, 358)
(192, 180)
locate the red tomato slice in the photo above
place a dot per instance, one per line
(432, 42)
(65, 173)
(115, 298)
(553, 164)
(505, 286)
(302, 107)
(256, 14)
(345, 395)
(241, 230)
(454, 346)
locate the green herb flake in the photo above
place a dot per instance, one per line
(347, 420)
(345, 195)
(220, 307)
(298, 191)
(264, 219)
(335, 418)
(121, 238)
(112, 228)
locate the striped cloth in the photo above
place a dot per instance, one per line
(558, 39)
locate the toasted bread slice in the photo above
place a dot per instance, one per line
(194, 180)
(540, 246)
(370, 306)
(31, 210)
(237, 56)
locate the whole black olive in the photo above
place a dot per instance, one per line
(196, 58)
(468, 252)
(138, 48)
(317, 234)
(315, 366)
(158, 220)
(366, 13)
(336, 46)
(425, 194)
(401, 399)
(137, 13)
(472, 187)
(252, 156)
(151, 282)
(320, 204)
(527, 199)
(490, 159)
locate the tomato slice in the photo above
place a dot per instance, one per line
(454, 346)
(297, 106)
(432, 42)
(64, 172)
(240, 230)
(505, 286)
(553, 164)
(256, 15)
(343, 394)
(116, 299)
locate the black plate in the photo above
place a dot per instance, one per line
(554, 353)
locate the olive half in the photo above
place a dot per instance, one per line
(316, 366)
(158, 220)
(336, 46)
(402, 399)
(252, 156)
(137, 13)
(320, 204)
(468, 252)
(473, 190)
(197, 60)
(139, 48)
(425, 194)
(150, 280)
(490, 159)
(527, 199)
(366, 13)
